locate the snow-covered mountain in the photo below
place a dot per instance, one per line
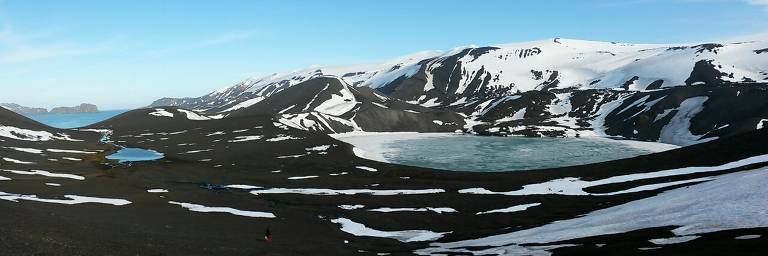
(328, 104)
(559, 87)
(252, 90)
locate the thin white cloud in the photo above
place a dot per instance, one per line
(638, 2)
(228, 38)
(758, 2)
(213, 40)
(44, 52)
(17, 47)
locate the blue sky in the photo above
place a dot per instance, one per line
(124, 54)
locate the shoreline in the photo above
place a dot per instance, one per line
(654, 147)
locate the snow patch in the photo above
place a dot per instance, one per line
(246, 138)
(47, 174)
(575, 186)
(71, 199)
(207, 209)
(516, 208)
(334, 192)
(11, 160)
(370, 169)
(730, 201)
(194, 116)
(159, 112)
(406, 236)
(303, 177)
(351, 206)
(424, 209)
(31, 135)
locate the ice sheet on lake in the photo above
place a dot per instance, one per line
(371, 145)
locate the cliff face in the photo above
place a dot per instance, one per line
(22, 109)
(82, 108)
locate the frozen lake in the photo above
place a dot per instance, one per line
(135, 155)
(491, 154)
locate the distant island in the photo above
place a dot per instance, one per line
(82, 108)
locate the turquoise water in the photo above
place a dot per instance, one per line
(134, 155)
(75, 120)
(127, 155)
(492, 154)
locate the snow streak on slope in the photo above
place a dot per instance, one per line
(678, 130)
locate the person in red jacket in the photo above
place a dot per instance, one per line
(268, 236)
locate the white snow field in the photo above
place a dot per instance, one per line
(730, 201)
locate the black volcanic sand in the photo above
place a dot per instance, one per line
(152, 226)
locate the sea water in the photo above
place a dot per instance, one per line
(74, 120)
(77, 120)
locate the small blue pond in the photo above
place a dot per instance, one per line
(135, 155)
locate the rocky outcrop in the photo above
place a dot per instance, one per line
(82, 108)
